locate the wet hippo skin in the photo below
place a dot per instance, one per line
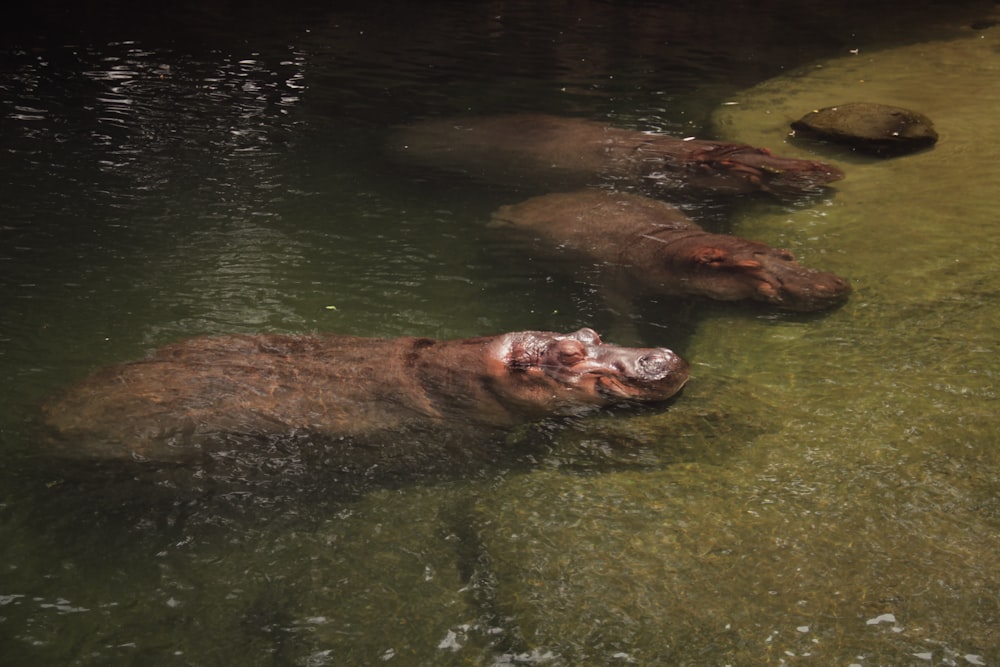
(238, 392)
(571, 152)
(661, 249)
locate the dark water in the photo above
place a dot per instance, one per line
(826, 490)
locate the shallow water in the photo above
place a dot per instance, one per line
(825, 490)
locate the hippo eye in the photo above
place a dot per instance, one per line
(570, 352)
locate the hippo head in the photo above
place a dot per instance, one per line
(549, 373)
(749, 169)
(729, 268)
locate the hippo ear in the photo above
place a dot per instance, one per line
(709, 255)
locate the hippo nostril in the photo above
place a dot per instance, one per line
(836, 287)
(655, 365)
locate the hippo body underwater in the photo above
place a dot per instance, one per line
(571, 152)
(359, 401)
(656, 246)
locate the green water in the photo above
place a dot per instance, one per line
(825, 491)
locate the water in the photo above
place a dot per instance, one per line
(825, 490)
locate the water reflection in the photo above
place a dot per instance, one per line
(139, 123)
(230, 273)
(154, 107)
(131, 170)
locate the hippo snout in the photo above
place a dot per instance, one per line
(657, 365)
(639, 365)
(816, 290)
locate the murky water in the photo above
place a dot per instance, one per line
(826, 490)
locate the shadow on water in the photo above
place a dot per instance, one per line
(234, 556)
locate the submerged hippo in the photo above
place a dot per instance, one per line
(347, 397)
(659, 247)
(572, 151)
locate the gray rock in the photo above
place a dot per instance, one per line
(878, 129)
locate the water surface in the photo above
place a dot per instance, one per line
(825, 490)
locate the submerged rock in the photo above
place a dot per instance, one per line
(873, 128)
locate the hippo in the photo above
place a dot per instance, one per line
(573, 152)
(661, 249)
(355, 401)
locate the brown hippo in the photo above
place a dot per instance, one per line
(659, 247)
(353, 398)
(573, 151)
